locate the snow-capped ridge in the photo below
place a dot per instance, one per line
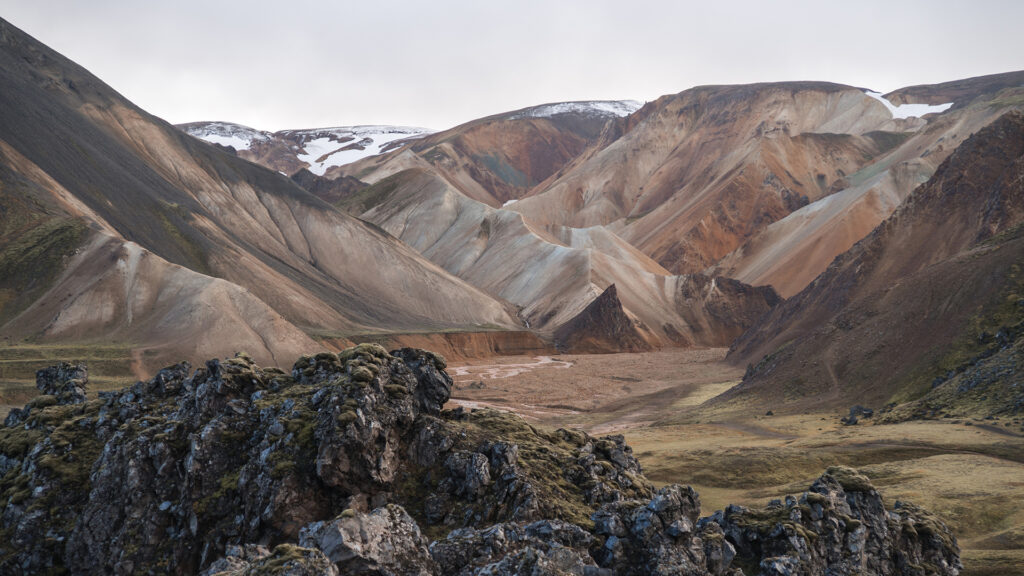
(320, 148)
(237, 136)
(608, 108)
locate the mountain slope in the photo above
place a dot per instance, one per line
(700, 171)
(726, 179)
(789, 253)
(92, 156)
(506, 156)
(551, 274)
(916, 300)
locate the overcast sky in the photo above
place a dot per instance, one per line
(298, 63)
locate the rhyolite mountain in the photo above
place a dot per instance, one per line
(763, 183)
(440, 195)
(348, 465)
(927, 307)
(127, 231)
(120, 228)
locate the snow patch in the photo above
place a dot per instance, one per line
(909, 110)
(227, 134)
(512, 201)
(329, 147)
(605, 108)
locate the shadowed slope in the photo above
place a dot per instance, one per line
(915, 298)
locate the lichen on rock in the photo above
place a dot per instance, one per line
(348, 464)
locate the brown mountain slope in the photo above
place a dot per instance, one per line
(960, 92)
(552, 273)
(912, 301)
(502, 157)
(166, 310)
(89, 154)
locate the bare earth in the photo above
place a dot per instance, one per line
(971, 473)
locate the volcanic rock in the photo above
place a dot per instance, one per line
(349, 465)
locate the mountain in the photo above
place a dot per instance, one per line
(603, 326)
(317, 150)
(789, 253)
(927, 305)
(506, 156)
(122, 228)
(550, 274)
(727, 180)
(762, 183)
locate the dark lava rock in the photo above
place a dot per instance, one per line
(349, 465)
(840, 527)
(61, 385)
(859, 411)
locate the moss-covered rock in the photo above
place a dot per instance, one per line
(187, 471)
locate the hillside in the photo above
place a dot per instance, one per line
(156, 227)
(930, 296)
(763, 183)
(551, 274)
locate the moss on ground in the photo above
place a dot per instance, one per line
(851, 480)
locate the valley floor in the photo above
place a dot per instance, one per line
(971, 473)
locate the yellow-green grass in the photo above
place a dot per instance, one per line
(971, 476)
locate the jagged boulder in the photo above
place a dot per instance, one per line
(385, 541)
(284, 560)
(658, 536)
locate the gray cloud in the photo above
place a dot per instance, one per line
(276, 65)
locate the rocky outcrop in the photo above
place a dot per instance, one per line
(61, 384)
(839, 527)
(349, 465)
(385, 541)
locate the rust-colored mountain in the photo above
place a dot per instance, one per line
(930, 292)
(765, 183)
